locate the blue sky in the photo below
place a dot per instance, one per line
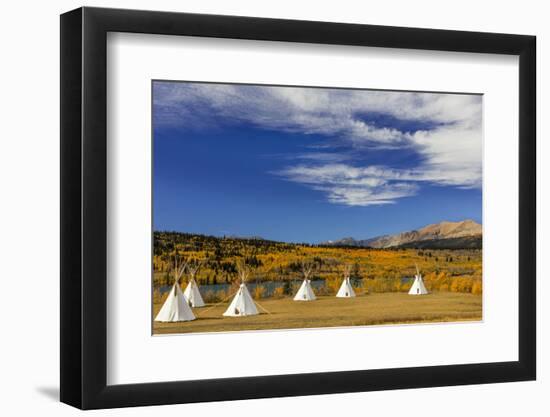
(310, 165)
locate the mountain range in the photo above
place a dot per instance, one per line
(444, 235)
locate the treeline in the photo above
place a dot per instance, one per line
(372, 270)
(467, 242)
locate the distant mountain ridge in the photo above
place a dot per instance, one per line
(462, 234)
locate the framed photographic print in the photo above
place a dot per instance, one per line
(258, 208)
(257, 188)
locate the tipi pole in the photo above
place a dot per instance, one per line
(218, 303)
(263, 308)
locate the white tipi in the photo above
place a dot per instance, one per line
(346, 290)
(418, 287)
(175, 308)
(242, 304)
(305, 293)
(192, 293)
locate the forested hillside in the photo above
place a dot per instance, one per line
(377, 270)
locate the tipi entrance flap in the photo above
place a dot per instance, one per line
(418, 287)
(242, 304)
(346, 289)
(175, 308)
(193, 295)
(305, 292)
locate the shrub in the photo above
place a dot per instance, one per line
(278, 292)
(287, 287)
(222, 295)
(477, 288)
(454, 285)
(157, 297)
(322, 290)
(212, 296)
(333, 285)
(259, 292)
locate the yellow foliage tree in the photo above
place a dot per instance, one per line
(477, 288)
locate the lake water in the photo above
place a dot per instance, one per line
(269, 286)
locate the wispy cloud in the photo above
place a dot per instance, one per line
(321, 157)
(449, 149)
(352, 186)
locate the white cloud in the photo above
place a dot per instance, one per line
(448, 145)
(309, 110)
(355, 186)
(367, 196)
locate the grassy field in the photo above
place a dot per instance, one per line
(377, 308)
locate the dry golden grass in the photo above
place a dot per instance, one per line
(380, 308)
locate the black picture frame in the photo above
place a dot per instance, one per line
(84, 207)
